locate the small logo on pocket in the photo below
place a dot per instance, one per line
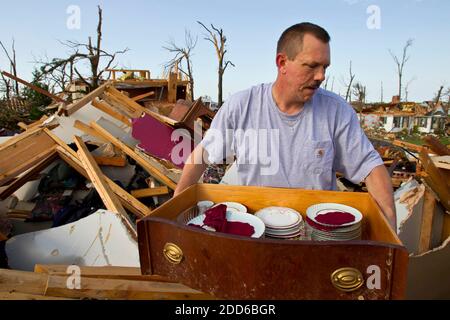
(319, 153)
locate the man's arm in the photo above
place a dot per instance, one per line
(379, 185)
(193, 169)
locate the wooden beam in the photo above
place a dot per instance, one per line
(18, 183)
(149, 192)
(125, 100)
(435, 180)
(120, 106)
(22, 281)
(96, 176)
(71, 157)
(111, 161)
(147, 166)
(106, 108)
(407, 145)
(114, 289)
(142, 96)
(105, 272)
(88, 130)
(74, 107)
(428, 209)
(33, 87)
(12, 173)
(127, 200)
(436, 146)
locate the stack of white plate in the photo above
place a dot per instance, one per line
(331, 232)
(281, 222)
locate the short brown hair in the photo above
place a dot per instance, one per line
(291, 39)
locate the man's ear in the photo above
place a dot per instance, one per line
(281, 62)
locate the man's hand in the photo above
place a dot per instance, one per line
(379, 185)
(193, 169)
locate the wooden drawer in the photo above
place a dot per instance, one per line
(234, 267)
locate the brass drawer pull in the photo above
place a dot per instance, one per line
(173, 253)
(347, 279)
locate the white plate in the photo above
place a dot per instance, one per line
(279, 217)
(313, 211)
(234, 206)
(240, 217)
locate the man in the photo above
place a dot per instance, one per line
(311, 132)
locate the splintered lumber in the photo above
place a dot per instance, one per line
(32, 125)
(143, 96)
(130, 152)
(117, 161)
(131, 203)
(119, 106)
(133, 109)
(22, 152)
(88, 130)
(408, 145)
(95, 174)
(435, 179)
(74, 107)
(23, 166)
(98, 288)
(106, 108)
(149, 192)
(71, 158)
(442, 162)
(27, 296)
(429, 205)
(105, 272)
(18, 183)
(22, 281)
(33, 87)
(436, 146)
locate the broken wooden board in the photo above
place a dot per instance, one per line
(105, 107)
(22, 152)
(110, 200)
(118, 289)
(27, 176)
(71, 158)
(33, 87)
(435, 179)
(147, 166)
(149, 192)
(436, 146)
(111, 161)
(105, 272)
(74, 107)
(428, 212)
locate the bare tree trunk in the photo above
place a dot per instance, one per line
(401, 64)
(438, 95)
(218, 39)
(352, 77)
(13, 66)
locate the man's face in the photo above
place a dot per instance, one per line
(304, 75)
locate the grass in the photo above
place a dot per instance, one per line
(418, 140)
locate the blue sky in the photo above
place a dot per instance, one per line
(252, 29)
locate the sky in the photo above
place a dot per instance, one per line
(362, 31)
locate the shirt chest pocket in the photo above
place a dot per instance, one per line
(317, 156)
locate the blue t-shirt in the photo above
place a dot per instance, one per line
(303, 150)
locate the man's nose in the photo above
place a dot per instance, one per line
(320, 74)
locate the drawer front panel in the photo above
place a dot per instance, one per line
(242, 268)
